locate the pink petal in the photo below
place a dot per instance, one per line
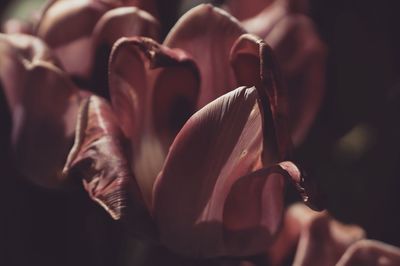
(43, 105)
(323, 240)
(114, 24)
(302, 56)
(43, 124)
(254, 64)
(194, 195)
(208, 33)
(97, 156)
(67, 26)
(370, 253)
(150, 102)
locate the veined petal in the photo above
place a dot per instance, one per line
(114, 24)
(97, 157)
(151, 103)
(207, 33)
(195, 192)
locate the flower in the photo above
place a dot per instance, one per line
(202, 168)
(300, 52)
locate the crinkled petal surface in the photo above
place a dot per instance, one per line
(208, 172)
(97, 156)
(154, 91)
(207, 33)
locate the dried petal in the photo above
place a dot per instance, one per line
(150, 102)
(323, 240)
(207, 33)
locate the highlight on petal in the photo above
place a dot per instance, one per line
(114, 24)
(254, 64)
(207, 33)
(97, 157)
(66, 26)
(43, 124)
(150, 102)
(196, 196)
(370, 253)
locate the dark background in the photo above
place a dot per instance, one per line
(352, 151)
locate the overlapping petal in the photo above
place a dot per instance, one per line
(207, 33)
(150, 102)
(43, 104)
(225, 142)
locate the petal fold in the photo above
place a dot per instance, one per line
(150, 102)
(195, 195)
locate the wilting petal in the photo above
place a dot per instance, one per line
(114, 24)
(224, 143)
(370, 253)
(97, 156)
(67, 26)
(254, 64)
(150, 102)
(208, 33)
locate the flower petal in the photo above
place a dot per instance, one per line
(370, 252)
(253, 211)
(150, 102)
(323, 240)
(43, 123)
(43, 105)
(254, 64)
(114, 24)
(97, 156)
(66, 26)
(219, 144)
(207, 33)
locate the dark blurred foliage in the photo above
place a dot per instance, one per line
(353, 151)
(354, 148)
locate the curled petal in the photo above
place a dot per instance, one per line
(195, 196)
(370, 253)
(150, 102)
(114, 24)
(97, 157)
(208, 33)
(254, 64)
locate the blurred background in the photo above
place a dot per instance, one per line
(353, 149)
